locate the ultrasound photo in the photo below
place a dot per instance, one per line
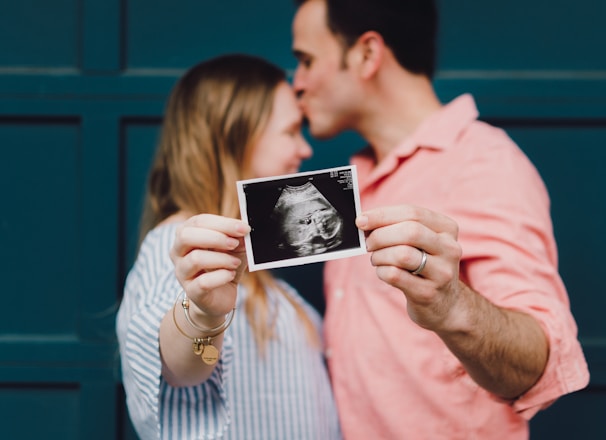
(301, 218)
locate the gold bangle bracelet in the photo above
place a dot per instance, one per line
(202, 346)
(220, 327)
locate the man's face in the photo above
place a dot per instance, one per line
(322, 82)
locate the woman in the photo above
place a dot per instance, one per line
(189, 371)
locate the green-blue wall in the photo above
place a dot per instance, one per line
(82, 90)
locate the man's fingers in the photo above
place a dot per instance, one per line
(405, 257)
(381, 217)
(407, 233)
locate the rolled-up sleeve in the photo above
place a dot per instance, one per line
(510, 256)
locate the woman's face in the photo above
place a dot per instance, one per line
(281, 147)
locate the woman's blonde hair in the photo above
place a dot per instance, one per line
(214, 115)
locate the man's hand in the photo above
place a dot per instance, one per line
(505, 351)
(397, 236)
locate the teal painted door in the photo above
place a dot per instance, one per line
(82, 91)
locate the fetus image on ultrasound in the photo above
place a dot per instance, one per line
(308, 223)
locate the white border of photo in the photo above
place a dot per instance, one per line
(358, 249)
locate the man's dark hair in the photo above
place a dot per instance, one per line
(408, 27)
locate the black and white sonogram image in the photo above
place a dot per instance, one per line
(307, 221)
(301, 218)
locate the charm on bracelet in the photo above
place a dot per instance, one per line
(202, 345)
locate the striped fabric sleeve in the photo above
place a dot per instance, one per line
(167, 409)
(201, 411)
(150, 292)
(141, 354)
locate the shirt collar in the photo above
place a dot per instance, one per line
(439, 131)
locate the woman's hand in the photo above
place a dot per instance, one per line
(209, 259)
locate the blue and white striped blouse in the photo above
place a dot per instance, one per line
(283, 395)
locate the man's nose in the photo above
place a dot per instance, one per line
(298, 83)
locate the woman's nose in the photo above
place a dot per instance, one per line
(305, 150)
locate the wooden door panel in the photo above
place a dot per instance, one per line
(82, 90)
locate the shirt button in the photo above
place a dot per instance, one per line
(339, 293)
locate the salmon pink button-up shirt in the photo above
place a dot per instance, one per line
(395, 380)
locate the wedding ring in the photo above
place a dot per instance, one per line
(418, 270)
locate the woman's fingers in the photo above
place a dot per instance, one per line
(202, 260)
(209, 258)
(208, 231)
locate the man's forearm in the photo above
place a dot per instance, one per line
(504, 351)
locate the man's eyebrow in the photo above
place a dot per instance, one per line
(298, 53)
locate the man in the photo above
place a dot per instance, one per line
(460, 326)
